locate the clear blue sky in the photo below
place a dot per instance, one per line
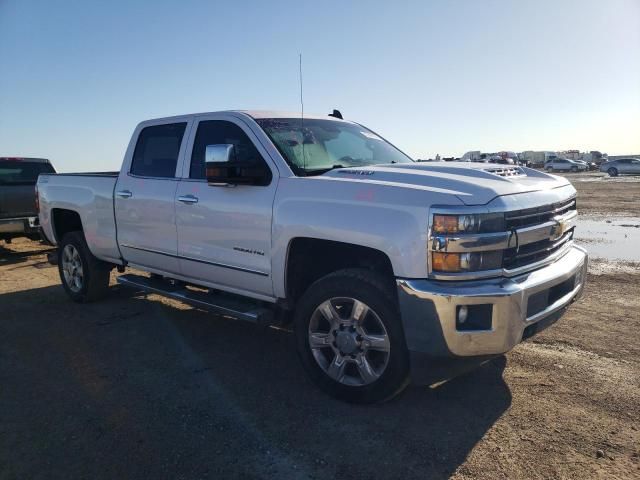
(432, 76)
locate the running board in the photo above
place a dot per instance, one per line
(219, 303)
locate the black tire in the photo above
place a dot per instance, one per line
(95, 284)
(574, 169)
(378, 294)
(613, 172)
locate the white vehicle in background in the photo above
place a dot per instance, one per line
(537, 159)
(565, 165)
(379, 263)
(479, 157)
(471, 156)
(508, 158)
(588, 165)
(622, 166)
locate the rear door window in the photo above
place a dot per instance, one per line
(20, 172)
(157, 150)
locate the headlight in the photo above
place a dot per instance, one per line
(465, 262)
(470, 223)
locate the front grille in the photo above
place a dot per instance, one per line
(521, 241)
(523, 255)
(534, 216)
(534, 252)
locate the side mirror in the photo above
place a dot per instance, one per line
(224, 168)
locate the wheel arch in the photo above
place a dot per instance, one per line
(64, 221)
(309, 259)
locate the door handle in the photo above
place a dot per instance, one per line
(188, 199)
(124, 193)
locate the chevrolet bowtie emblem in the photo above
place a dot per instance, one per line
(558, 229)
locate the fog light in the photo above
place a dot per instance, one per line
(462, 314)
(470, 318)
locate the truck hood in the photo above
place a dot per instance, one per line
(472, 183)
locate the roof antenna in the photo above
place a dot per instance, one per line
(336, 114)
(304, 158)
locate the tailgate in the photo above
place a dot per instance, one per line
(17, 201)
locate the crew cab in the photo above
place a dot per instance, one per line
(18, 210)
(381, 264)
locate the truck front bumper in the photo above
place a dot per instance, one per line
(499, 312)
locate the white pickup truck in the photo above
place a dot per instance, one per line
(380, 263)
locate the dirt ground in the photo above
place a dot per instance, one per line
(600, 194)
(135, 387)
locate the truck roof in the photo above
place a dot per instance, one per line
(256, 114)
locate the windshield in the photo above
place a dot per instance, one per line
(15, 172)
(322, 145)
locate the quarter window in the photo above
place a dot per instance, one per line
(156, 153)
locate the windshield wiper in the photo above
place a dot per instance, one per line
(320, 171)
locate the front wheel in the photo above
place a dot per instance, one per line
(350, 339)
(84, 277)
(574, 169)
(613, 172)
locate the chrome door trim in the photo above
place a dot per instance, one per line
(191, 259)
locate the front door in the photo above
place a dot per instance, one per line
(145, 200)
(224, 232)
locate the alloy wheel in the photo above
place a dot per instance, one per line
(72, 268)
(348, 341)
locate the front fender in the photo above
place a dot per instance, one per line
(391, 219)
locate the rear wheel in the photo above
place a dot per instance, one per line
(350, 338)
(613, 172)
(84, 277)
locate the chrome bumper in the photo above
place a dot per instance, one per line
(429, 308)
(19, 225)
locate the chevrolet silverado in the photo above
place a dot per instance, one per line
(381, 264)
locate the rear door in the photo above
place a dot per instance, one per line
(628, 165)
(144, 198)
(224, 232)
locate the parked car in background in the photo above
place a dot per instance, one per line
(476, 156)
(623, 166)
(18, 209)
(589, 165)
(508, 158)
(564, 165)
(502, 160)
(537, 159)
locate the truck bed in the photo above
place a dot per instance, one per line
(91, 196)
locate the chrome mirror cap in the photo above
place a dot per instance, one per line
(220, 153)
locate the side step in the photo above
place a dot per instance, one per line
(220, 303)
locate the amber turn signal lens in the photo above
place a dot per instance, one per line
(446, 262)
(445, 223)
